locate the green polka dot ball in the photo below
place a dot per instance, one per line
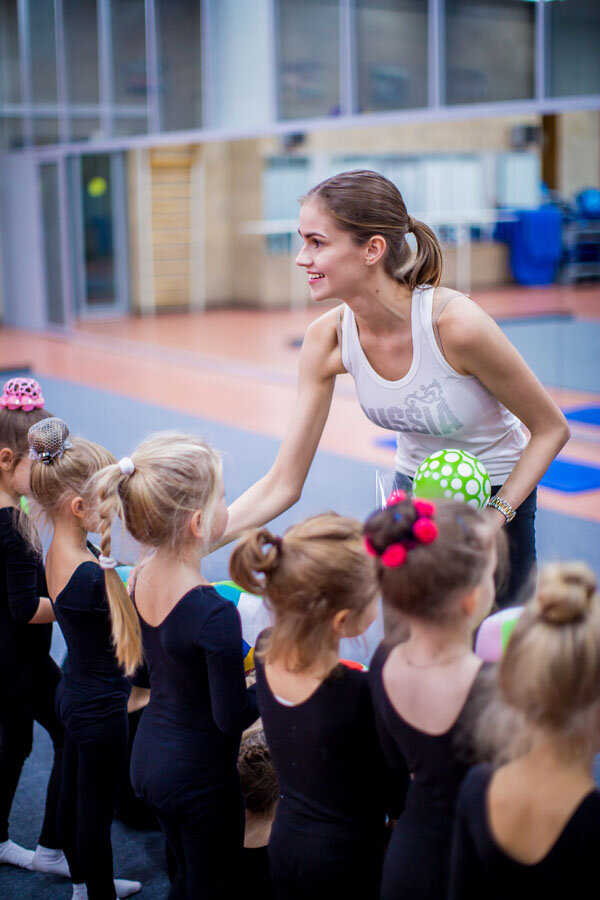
(455, 475)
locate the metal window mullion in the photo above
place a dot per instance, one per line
(347, 57)
(436, 54)
(119, 226)
(25, 67)
(105, 67)
(61, 71)
(65, 244)
(152, 86)
(207, 63)
(272, 67)
(540, 52)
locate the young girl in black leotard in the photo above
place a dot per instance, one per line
(172, 500)
(328, 835)
(28, 675)
(102, 636)
(532, 827)
(435, 566)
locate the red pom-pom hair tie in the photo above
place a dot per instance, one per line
(425, 530)
(394, 556)
(424, 508)
(395, 497)
(369, 547)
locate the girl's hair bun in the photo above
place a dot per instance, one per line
(565, 593)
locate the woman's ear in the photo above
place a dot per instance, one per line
(77, 507)
(7, 459)
(196, 524)
(375, 249)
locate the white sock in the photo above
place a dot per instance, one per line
(79, 891)
(52, 862)
(126, 888)
(15, 855)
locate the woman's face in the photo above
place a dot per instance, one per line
(334, 263)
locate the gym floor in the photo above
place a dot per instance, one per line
(231, 376)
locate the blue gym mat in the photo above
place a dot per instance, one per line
(570, 477)
(589, 415)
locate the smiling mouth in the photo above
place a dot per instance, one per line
(314, 276)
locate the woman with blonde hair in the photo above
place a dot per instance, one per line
(427, 362)
(171, 497)
(100, 629)
(531, 828)
(327, 839)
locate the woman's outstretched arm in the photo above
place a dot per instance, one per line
(281, 487)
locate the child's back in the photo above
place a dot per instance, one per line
(436, 569)
(328, 835)
(531, 828)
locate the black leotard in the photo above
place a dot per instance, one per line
(334, 786)
(92, 703)
(184, 760)
(480, 868)
(418, 856)
(28, 676)
(22, 583)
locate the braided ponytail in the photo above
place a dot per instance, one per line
(126, 634)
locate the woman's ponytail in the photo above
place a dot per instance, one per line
(427, 265)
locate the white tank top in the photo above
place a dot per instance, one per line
(433, 407)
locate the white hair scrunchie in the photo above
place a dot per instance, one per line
(107, 562)
(126, 465)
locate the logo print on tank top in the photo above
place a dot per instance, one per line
(426, 411)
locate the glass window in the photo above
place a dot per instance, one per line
(128, 125)
(489, 50)
(10, 85)
(81, 50)
(391, 46)
(45, 130)
(43, 51)
(96, 198)
(309, 56)
(129, 52)
(179, 72)
(84, 129)
(573, 47)
(11, 133)
(55, 301)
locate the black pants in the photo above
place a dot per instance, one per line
(306, 867)
(417, 863)
(206, 849)
(517, 585)
(94, 760)
(30, 698)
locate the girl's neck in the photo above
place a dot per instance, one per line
(187, 562)
(6, 499)
(68, 531)
(430, 641)
(548, 754)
